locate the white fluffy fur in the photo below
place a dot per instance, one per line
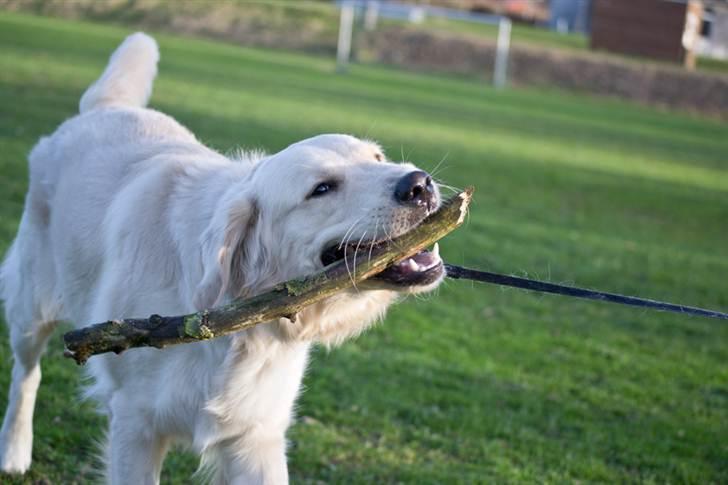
(127, 214)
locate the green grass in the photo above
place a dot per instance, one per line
(716, 65)
(475, 383)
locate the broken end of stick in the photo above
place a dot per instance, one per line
(79, 357)
(467, 197)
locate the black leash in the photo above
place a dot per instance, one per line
(458, 272)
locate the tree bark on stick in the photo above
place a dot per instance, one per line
(282, 301)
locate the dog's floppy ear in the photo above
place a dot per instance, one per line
(225, 248)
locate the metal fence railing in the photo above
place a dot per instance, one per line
(371, 11)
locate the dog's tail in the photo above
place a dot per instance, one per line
(128, 79)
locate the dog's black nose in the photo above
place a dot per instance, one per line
(416, 188)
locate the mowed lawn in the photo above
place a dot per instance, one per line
(473, 384)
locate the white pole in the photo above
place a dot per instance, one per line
(501, 53)
(343, 49)
(372, 15)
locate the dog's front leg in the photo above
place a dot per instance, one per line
(253, 461)
(136, 452)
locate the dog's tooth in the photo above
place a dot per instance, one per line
(436, 250)
(430, 266)
(413, 265)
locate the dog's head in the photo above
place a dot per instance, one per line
(321, 200)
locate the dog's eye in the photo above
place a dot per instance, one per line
(323, 188)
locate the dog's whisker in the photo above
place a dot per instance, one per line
(350, 234)
(439, 171)
(408, 155)
(348, 271)
(433, 172)
(386, 233)
(444, 185)
(357, 250)
(353, 227)
(348, 231)
(345, 243)
(450, 188)
(373, 240)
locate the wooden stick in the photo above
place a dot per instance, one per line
(283, 301)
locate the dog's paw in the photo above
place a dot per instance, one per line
(14, 457)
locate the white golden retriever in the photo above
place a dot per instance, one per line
(127, 214)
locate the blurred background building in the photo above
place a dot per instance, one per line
(659, 29)
(713, 41)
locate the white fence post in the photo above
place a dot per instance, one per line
(500, 72)
(343, 49)
(372, 15)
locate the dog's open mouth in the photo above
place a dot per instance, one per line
(424, 268)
